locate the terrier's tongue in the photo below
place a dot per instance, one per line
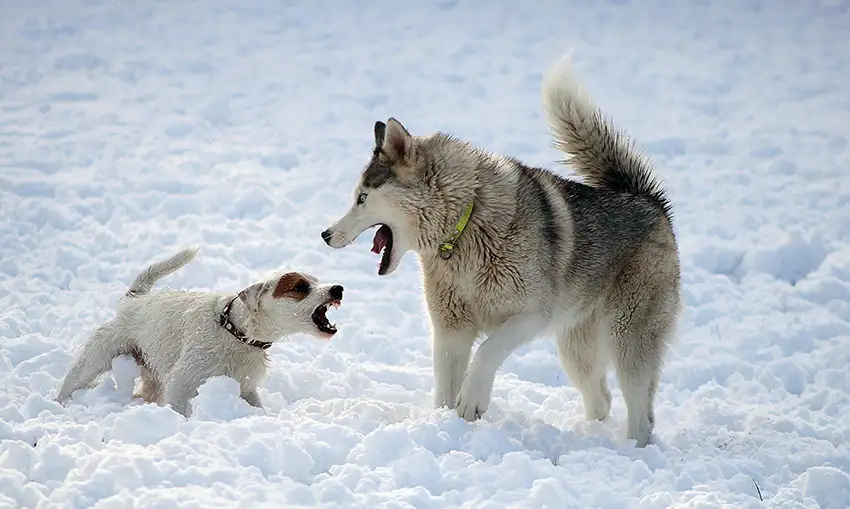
(380, 240)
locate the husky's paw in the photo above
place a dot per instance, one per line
(597, 407)
(641, 440)
(639, 429)
(444, 400)
(473, 399)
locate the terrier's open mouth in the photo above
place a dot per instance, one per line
(383, 240)
(320, 318)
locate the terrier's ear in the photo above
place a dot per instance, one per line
(291, 285)
(251, 296)
(398, 144)
(380, 130)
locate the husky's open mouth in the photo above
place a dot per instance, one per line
(320, 318)
(383, 240)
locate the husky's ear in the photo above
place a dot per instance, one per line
(398, 143)
(251, 296)
(380, 130)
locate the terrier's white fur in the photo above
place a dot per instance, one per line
(176, 338)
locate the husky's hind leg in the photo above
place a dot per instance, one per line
(585, 361)
(639, 339)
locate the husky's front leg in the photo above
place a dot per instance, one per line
(451, 357)
(474, 397)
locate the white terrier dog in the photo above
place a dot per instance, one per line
(180, 339)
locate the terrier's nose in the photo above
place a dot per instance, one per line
(326, 236)
(336, 292)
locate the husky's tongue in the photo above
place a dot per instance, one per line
(382, 236)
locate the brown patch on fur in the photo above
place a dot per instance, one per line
(138, 357)
(150, 389)
(291, 285)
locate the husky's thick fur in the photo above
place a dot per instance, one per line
(180, 339)
(594, 264)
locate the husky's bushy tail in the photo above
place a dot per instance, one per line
(148, 277)
(604, 156)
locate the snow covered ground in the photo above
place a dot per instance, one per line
(130, 129)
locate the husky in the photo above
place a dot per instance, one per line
(180, 339)
(513, 253)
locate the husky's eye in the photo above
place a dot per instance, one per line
(361, 199)
(302, 288)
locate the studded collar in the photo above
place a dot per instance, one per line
(229, 326)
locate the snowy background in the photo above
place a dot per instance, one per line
(130, 129)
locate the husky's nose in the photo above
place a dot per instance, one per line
(336, 292)
(326, 236)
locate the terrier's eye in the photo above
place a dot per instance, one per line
(361, 199)
(302, 288)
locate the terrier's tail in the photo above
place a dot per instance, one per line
(148, 277)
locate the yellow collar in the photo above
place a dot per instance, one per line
(447, 246)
